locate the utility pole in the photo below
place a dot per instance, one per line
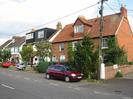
(100, 41)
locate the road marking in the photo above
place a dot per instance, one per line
(37, 81)
(27, 78)
(70, 87)
(78, 89)
(102, 93)
(126, 98)
(54, 84)
(7, 86)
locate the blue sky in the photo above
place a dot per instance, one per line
(20, 16)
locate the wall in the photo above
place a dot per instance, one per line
(110, 71)
(125, 38)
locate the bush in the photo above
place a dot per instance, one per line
(42, 66)
(130, 63)
(118, 74)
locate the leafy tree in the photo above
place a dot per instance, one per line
(5, 55)
(83, 58)
(27, 53)
(43, 50)
(115, 54)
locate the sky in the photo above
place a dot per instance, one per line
(18, 17)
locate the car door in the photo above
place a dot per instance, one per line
(60, 72)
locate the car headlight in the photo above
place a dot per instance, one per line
(73, 75)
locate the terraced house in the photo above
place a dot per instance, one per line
(115, 25)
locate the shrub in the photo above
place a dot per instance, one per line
(42, 66)
(130, 63)
(118, 74)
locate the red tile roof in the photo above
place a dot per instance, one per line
(111, 24)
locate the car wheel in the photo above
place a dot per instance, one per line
(47, 76)
(23, 68)
(67, 79)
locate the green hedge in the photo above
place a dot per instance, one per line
(42, 67)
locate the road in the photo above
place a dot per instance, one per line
(23, 85)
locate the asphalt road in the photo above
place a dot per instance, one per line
(23, 85)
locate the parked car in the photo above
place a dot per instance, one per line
(20, 66)
(63, 72)
(6, 64)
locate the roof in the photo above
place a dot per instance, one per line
(111, 24)
(18, 41)
(5, 44)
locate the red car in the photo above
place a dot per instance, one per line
(6, 64)
(63, 72)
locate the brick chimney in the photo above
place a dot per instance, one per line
(33, 30)
(123, 11)
(58, 26)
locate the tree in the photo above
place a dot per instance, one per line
(83, 57)
(115, 54)
(27, 53)
(5, 55)
(43, 50)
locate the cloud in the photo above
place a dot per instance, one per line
(19, 1)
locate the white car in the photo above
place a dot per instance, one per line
(20, 66)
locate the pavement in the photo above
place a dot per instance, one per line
(25, 85)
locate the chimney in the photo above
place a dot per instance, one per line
(58, 26)
(33, 30)
(123, 11)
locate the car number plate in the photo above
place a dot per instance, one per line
(79, 77)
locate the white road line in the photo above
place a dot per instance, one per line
(27, 78)
(70, 87)
(78, 89)
(7, 86)
(54, 84)
(126, 98)
(38, 81)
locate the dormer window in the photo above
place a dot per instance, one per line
(29, 36)
(78, 28)
(41, 34)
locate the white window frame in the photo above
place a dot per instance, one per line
(61, 47)
(78, 28)
(29, 36)
(41, 34)
(104, 43)
(74, 45)
(62, 58)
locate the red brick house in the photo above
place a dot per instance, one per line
(115, 25)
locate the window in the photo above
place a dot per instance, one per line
(104, 43)
(40, 34)
(61, 47)
(74, 45)
(62, 58)
(54, 59)
(29, 36)
(78, 28)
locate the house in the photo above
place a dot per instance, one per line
(115, 25)
(15, 46)
(41, 35)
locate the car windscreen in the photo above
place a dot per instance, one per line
(68, 68)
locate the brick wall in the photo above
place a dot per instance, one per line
(110, 71)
